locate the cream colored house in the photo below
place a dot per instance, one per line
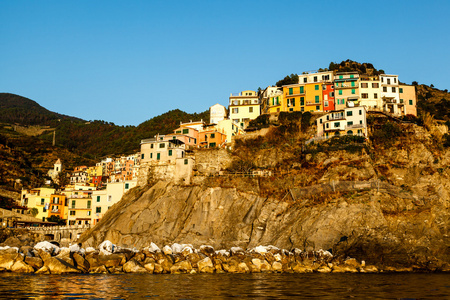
(369, 92)
(102, 200)
(407, 95)
(347, 121)
(390, 94)
(244, 107)
(217, 113)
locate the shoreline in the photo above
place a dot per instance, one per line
(47, 258)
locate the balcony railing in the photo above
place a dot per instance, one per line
(336, 118)
(354, 126)
(312, 103)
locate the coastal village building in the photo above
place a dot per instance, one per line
(104, 199)
(369, 92)
(58, 206)
(390, 94)
(346, 89)
(407, 95)
(38, 198)
(271, 100)
(57, 168)
(212, 138)
(244, 107)
(159, 149)
(80, 204)
(230, 129)
(347, 121)
(217, 113)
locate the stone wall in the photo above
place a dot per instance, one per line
(211, 161)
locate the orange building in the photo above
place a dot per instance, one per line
(211, 139)
(58, 206)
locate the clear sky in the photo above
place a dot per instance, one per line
(128, 61)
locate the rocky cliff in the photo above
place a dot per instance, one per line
(387, 204)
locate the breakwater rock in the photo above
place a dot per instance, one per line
(47, 258)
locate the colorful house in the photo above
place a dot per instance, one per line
(294, 95)
(38, 198)
(314, 97)
(407, 94)
(212, 138)
(347, 121)
(244, 107)
(160, 149)
(328, 96)
(58, 206)
(346, 89)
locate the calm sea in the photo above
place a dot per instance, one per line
(220, 286)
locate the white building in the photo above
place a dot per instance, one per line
(347, 121)
(390, 93)
(244, 107)
(217, 113)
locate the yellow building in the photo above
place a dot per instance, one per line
(244, 107)
(346, 89)
(294, 95)
(314, 97)
(369, 92)
(38, 198)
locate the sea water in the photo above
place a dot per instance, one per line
(221, 286)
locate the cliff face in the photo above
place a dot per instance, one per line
(385, 204)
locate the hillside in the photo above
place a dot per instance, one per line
(17, 109)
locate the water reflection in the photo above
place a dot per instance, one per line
(219, 286)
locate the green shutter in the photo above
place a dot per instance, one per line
(301, 90)
(340, 92)
(317, 99)
(158, 156)
(316, 87)
(170, 152)
(290, 91)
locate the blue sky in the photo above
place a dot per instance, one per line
(128, 61)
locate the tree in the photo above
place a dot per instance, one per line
(34, 211)
(292, 79)
(56, 219)
(7, 203)
(415, 83)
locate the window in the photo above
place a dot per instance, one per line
(360, 112)
(302, 100)
(317, 107)
(42, 201)
(352, 76)
(401, 101)
(127, 186)
(178, 131)
(142, 156)
(395, 80)
(290, 91)
(170, 152)
(328, 125)
(305, 80)
(400, 90)
(250, 109)
(110, 198)
(302, 89)
(349, 113)
(151, 146)
(151, 155)
(340, 77)
(410, 102)
(212, 145)
(316, 99)
(186, 130)
(340, 92)
(353, 91)
(342, 101)
(98, 198)
(384, 89)
(336, 124)
(393, 89)
(364, 95)
(98, 210)
(360, 121)
(185, 161)
(364, 85)
(73, 203)
(388, 81)
(375, 85)
(315, 78)
(353, 84)
(72, 213)
(89, 204)
(325, 103)
(316, 87)
(302, 109)
(349, 123)
(162, 145)
(375, 96)
(158, 156)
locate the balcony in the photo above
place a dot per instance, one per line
(346, 86)
(354, 126)
(312, 103)
(336, 118)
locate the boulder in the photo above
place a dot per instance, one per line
(81, 263)
(43, 270)
(65, 255)
(98, 270)
(158, 269)
(112, 260)
(107, 248)
(152, 248)
(324, 269)
(243, 268)
(277, 267)
(21, 267)
(207, 250)
(181, 267)
(58, 266)
(369, 269)
(205, 266)
(236, 250)
(167, 250)
(150, 267)
(133, 266)
(47, 247)
(7, 260)
(35, 262)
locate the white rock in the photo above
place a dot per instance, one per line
(235, 250)
(277, 257)
(47, 247)
(90, 250)
(270, 247)
(107, 248)
(167, 250)
(260, 249)
(297, 251)
(153, 248)
(177, 248)
(223, 253)
(187, 249)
